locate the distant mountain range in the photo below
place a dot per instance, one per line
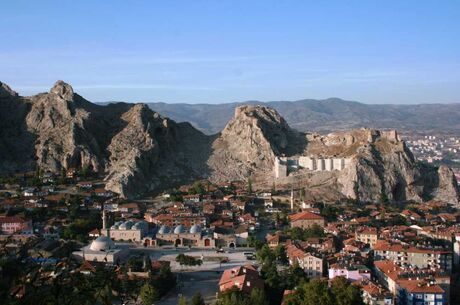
(324, 115)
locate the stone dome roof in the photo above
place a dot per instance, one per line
(163, 230)
(179, 229)
(140, 225)
(102, 243)
(195, 229)
(126, 225)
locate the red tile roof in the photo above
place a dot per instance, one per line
(304, 216)
(245, 278)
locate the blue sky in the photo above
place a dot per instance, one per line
(225, 51)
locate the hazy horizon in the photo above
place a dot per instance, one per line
(229, 51)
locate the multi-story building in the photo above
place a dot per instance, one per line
(312, 265)
(15, 225)
(413, 288)
(367, 235)
(412, 256)
(416, 292)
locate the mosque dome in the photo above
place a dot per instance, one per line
(126, 225)
(195, 229)
(179, 229)
(102, 243)
(140, 225)
(163, 230)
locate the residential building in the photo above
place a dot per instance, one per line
(412, 287)
(244, 278)
(15, 225)
(306, 219)
(350, 272)
(374, 294)
(367, 235)
(405, 255)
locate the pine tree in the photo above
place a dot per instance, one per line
(148, 294)
(197, 299)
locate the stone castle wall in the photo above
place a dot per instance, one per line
(284, 165)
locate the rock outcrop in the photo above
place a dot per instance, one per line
(250, 142)
(139, 151)
(133, 146)
(58, 120)
(152, 152)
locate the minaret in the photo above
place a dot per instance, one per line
(105, 229)
(292, 199)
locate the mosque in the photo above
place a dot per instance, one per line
(180, 236)
(103, 249)
(129, 230)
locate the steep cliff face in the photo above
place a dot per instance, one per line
(382, 168)
(16, 142)
(58, 120)
(152, 152)
(250, 142)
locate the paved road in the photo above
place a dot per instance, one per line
(210, 258)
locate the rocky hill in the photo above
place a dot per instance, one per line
(135, 147)
(138, 150)
(325, 115)
(250, 142)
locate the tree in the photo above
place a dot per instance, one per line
(164, 281)
(345, 293)
(257, 297)
(187, 260)
(317, 292)
(254, 242)
(84, 171)
(265, 254)
(198, 188)
(197, 299)
(294, 276)
(249, 185)
(148, 294)
(231, 297)
(329, 212)
(280, 253)
(182, 301)
(303, 234)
